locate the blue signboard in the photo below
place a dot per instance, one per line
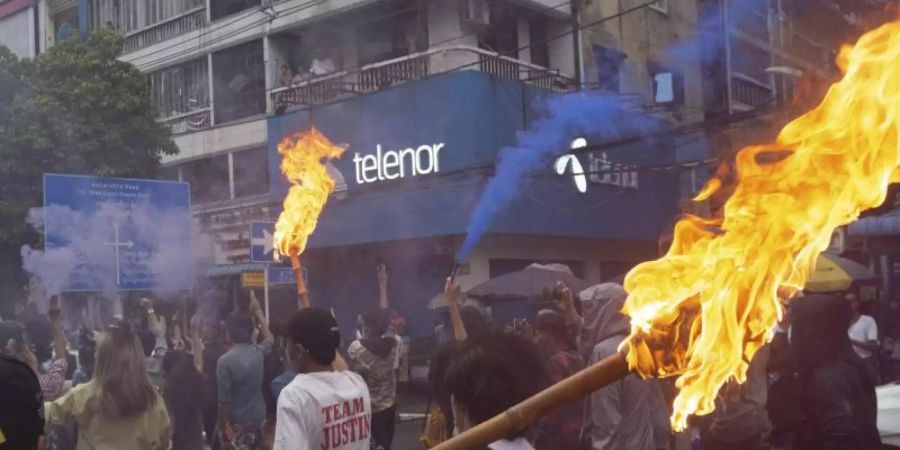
(118, 234)
(285, 275)
(261, 249)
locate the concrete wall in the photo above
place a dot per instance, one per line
(220, 139)
(645, 36)
(17, 32)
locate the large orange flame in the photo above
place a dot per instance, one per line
(302, 165)
(703, 310)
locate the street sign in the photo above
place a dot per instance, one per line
(117, 233)
(285, 275)
(252, 279)
(261, 249)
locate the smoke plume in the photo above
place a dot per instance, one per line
(565, 117)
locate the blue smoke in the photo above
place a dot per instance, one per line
(565, 117)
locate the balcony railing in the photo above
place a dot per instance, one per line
(158, 32)
(381, 75)
(198, 119)
(749, 92)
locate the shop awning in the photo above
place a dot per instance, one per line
(883, 225)
(833, 274)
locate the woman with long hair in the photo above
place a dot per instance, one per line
(119, 408)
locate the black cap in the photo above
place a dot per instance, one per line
(316, 330)
(22, 408)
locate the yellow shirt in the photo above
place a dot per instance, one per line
(77, 410)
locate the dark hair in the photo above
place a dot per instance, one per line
(240, 327)
(316, 330)
(554, 324)
(148, 341)
(185, 388)
(377, 321)
(474, 321)
(492, 372)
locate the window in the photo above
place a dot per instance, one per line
(668, 85)
(502, 36)
(65, 24)
(609, 61)
(540, 52)
(180, 89)
(251, 172)
(208, 179)
(240, 82)
(222, 8)
(397, 34)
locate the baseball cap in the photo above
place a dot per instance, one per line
(22, 408)
(316, 330)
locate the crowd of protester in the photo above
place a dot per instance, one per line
(232, 383)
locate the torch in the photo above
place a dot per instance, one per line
(702, 311)
(302, 164)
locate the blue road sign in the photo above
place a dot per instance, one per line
(118, 234)
(261, 249)
(285, 275)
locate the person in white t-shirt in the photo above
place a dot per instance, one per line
(863, 334)
(326, 406)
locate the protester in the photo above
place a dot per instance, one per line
(239, 373)
(740, 420)
(87, 347)
(213, 349)
(325, 406)
(490, 373)
(119, 408)
(592, 302)
(863, 333)
(465, 322)
(839, 402)
(53, 379)
(185, 392)
(560, 429)
(153, 342)
(624, 414)
(21, 402)
(377, 357)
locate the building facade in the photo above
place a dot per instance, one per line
(19, 27)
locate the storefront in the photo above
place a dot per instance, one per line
(418, 158)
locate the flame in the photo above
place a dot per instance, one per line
(703, 310)
(302, 165)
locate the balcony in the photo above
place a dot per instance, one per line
(190, 20)
(199, 119)
(382, 75)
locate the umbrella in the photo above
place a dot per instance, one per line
(833, 274)
(528, 283)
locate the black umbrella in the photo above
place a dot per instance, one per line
(527, 284)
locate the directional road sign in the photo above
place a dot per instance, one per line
(285, 275)
(261, 249)
(118, 234)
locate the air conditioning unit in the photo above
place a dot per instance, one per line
(475, 12)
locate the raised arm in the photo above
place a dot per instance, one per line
(197, 342)
(451, 295)
(59, 337)
(382, 286)
(566, 303)
(257, 312)
(303, 300)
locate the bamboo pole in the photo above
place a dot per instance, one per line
(302, 292)
(516, 418)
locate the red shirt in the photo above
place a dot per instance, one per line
(54, 380)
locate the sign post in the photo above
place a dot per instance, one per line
(261, 250)
(118, 234)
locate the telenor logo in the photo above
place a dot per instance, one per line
(571, 162)
(601, 170)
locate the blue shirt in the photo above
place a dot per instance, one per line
(240, 380)
(281, 381)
